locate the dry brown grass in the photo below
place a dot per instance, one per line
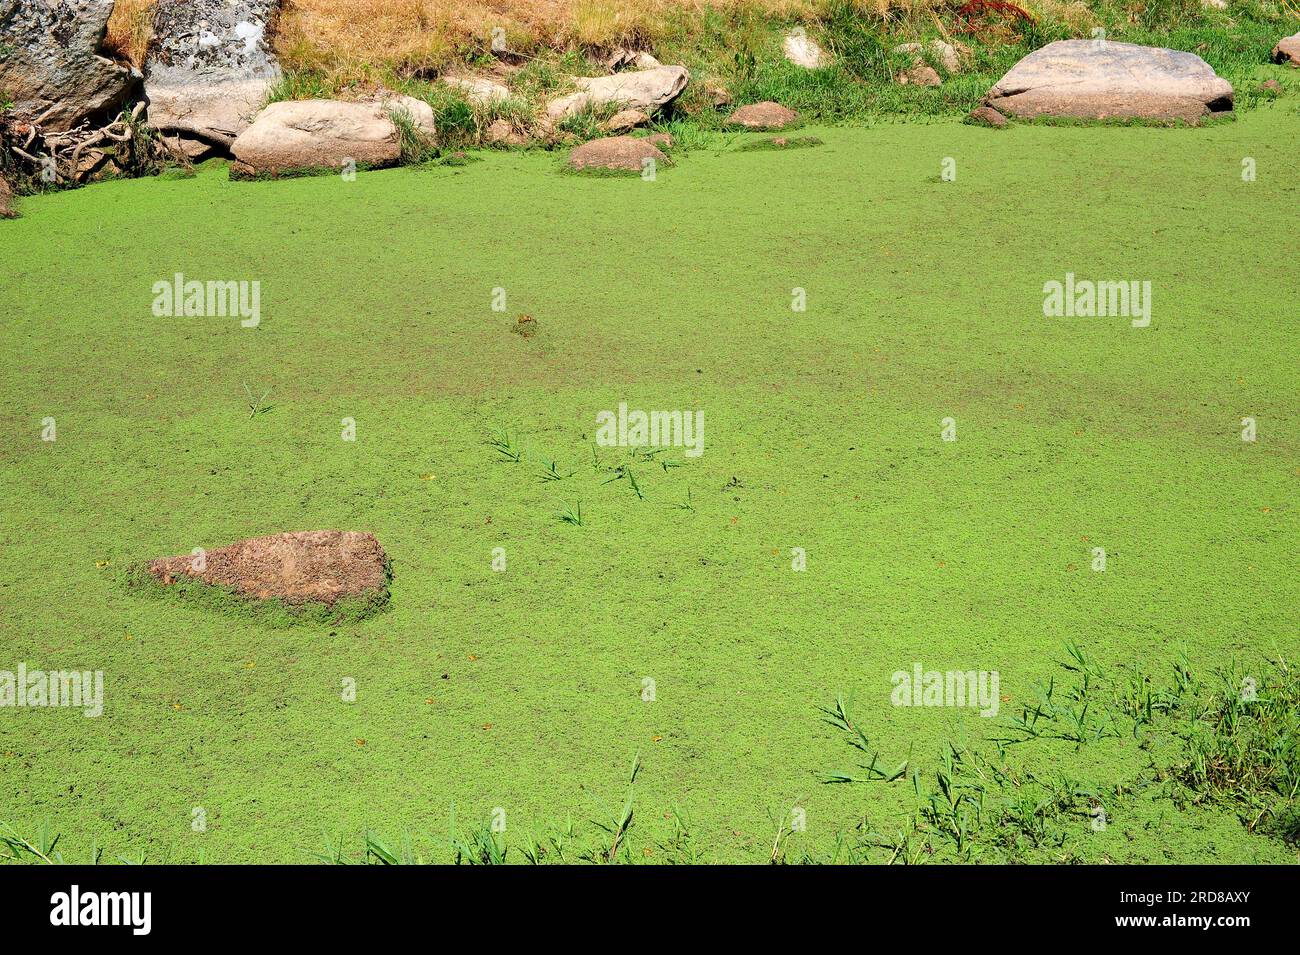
(129, 29)
(355, 38)
(341, 34)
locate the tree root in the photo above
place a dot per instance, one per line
(28, 152)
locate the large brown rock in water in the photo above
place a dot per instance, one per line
(297, 568)
(615, 152)
(51, 62)
(1092, 79)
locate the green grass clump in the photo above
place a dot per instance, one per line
(1244, 749)
(771, 142)
(416, 146)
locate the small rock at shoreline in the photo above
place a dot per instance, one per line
(625, 120)
(615, 152)
(765, 115)
(987, 116)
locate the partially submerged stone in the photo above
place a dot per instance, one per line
(52, 67)
(765, 115)
(987, 116)
(1089, 79)
(210, 68)
(297, 568)
(316, 134)
(615, 152)
(646, 90)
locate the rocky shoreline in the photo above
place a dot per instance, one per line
(74, 114)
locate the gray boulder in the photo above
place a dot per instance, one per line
(1090, 79)
(802, 50)
(945, 54)
(316, 134)
(210, 67)
(646, 90)
(51, 64)
(478, 89)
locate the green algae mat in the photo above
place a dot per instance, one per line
(926, 399)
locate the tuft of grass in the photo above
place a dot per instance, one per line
(1244, 748)
(572, 514)
(256, 406)
(551, 472)
(505, 445)
(840, 717)
(42, 847)
(620, 822)
(130, 29)
(415, 145)
(304, 84)
(482, 845)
